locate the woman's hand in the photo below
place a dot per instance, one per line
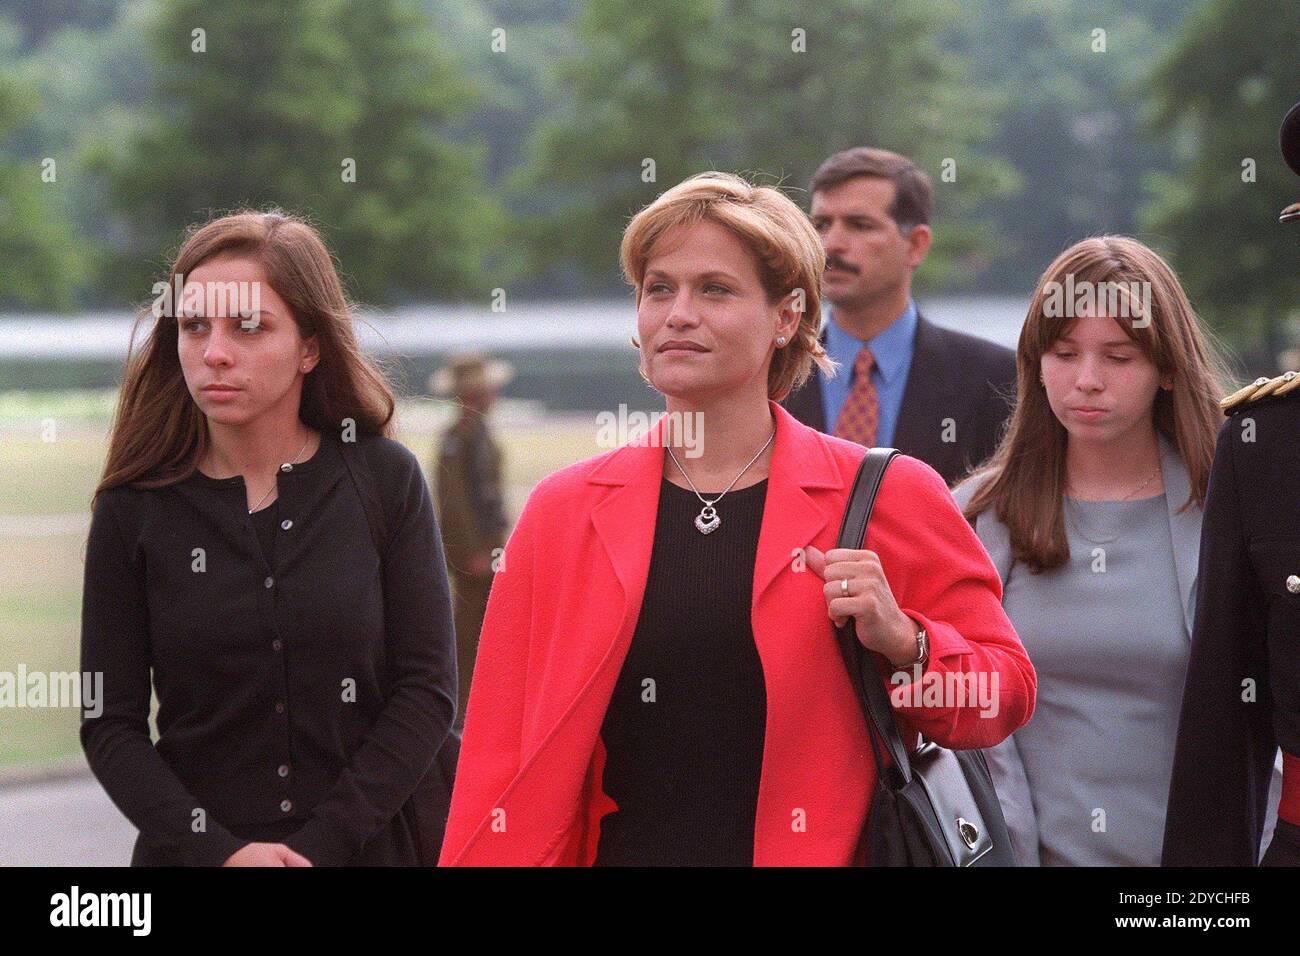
(880, 624)
(266, 854)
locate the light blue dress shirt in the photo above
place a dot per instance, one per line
(892, 348)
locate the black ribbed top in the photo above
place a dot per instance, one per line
(685, 725)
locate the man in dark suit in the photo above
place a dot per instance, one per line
(938, 395)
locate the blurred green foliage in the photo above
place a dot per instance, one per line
(42, 265)
(1221, 91)
(1073, 127)
(649, 94)
(505, 143)
(280, 106)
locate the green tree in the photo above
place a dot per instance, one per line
(751, 86)
(1075, 131)
(36, 21)
(1224, 88)
(271, 112)
(41, 264)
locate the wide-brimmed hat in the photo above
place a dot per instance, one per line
(469, 374)
(1289, 137)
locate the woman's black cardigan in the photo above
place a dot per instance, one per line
(302, 699)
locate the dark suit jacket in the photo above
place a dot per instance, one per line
(953, 376)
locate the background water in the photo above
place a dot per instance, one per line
(567, 355)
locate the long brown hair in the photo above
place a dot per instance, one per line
(1024, 480)
(159, 435)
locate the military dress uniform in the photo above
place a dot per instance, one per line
(471, 514)
(1241, 702)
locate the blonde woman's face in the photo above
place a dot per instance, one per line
(1099, 382)
(705, 324)
(239, 346)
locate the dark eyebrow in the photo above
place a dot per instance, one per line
(702, 277)
(1113, 343)
(181, 316)
(859, 216)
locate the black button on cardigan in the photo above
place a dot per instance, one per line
(300, 698)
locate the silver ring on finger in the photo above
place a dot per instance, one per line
(844, 586)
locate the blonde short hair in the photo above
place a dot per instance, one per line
(785, 246)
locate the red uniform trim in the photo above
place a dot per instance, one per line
(1288, 807)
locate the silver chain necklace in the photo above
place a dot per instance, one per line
(1079, 530)
(1138, 488)
(281, 468)
(708, 520)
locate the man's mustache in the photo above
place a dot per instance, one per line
(834, 263)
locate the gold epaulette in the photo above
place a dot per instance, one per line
(1284, 384)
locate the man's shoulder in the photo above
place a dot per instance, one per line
(1259, 434)
(979, 356)
(1271, 396)
(464, 432)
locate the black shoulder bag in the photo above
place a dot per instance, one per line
(935, 807)
(426, 810)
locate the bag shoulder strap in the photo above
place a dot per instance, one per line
(860, 661)
(363, 479)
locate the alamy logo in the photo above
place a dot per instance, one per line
(945, 691)
(1115, 300)
(24, 688)
(683, 430)
(75, 908)
(178, 299)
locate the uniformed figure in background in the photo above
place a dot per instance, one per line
(1241, 702)
(471, 510)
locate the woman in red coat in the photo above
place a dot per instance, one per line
(658, 680)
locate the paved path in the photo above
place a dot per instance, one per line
(64, 821)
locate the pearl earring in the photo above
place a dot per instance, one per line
(780, 341)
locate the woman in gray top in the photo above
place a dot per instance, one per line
(1091, 511)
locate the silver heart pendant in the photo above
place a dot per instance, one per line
(709, 524)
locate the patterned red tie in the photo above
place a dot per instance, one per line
(861, 412)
